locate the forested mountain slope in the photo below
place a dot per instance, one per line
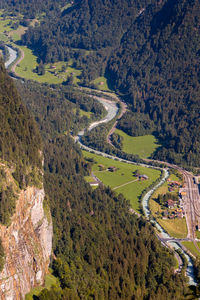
(158, 64)
(90, 24)
(20, 141)
(23, 222)
(150, 52)
(102, 250)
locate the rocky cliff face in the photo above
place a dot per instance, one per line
(27, 244)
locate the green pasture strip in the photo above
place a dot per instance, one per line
(85, 113)
(123, 174)
(191, 247)
(144, 146)
(16, 34)
(4, 25)
(68, 5)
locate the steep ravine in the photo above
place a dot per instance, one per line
(27, 243)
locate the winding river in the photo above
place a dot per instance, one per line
(12, 56)
(112, 110)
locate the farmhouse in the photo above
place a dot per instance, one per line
(143, 177)
(112, 169)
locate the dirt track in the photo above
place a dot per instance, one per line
(18, 62)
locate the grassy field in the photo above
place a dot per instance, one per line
(175, 227)
(191, 247)
(83, 113)
(101, 83)
(89, 178)
(28, 64)
(143, 146)
(4, 29)
(122, 176)
(50, 280)
(52, 75)
(16, 34)
(197, 234)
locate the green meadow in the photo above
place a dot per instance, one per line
(50, 281)
(101, 83)
(191, 247)
(122, 179)
(175, 227)
(55, 75)
(144, 146)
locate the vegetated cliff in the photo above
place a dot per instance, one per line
(25, 229)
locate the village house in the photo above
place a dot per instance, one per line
(171, 203)
(112, 169)
(143, 177)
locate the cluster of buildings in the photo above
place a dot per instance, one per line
(174, 209)
(173, 185)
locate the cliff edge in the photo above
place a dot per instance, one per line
(27, 244)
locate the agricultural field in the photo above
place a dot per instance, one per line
(121, 178)
(144, 146)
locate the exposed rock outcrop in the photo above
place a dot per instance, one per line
(27, 244)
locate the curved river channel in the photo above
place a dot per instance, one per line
(12, 56)
(112, 110)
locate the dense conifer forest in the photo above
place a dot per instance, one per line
(149, 51)
(20, 141)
